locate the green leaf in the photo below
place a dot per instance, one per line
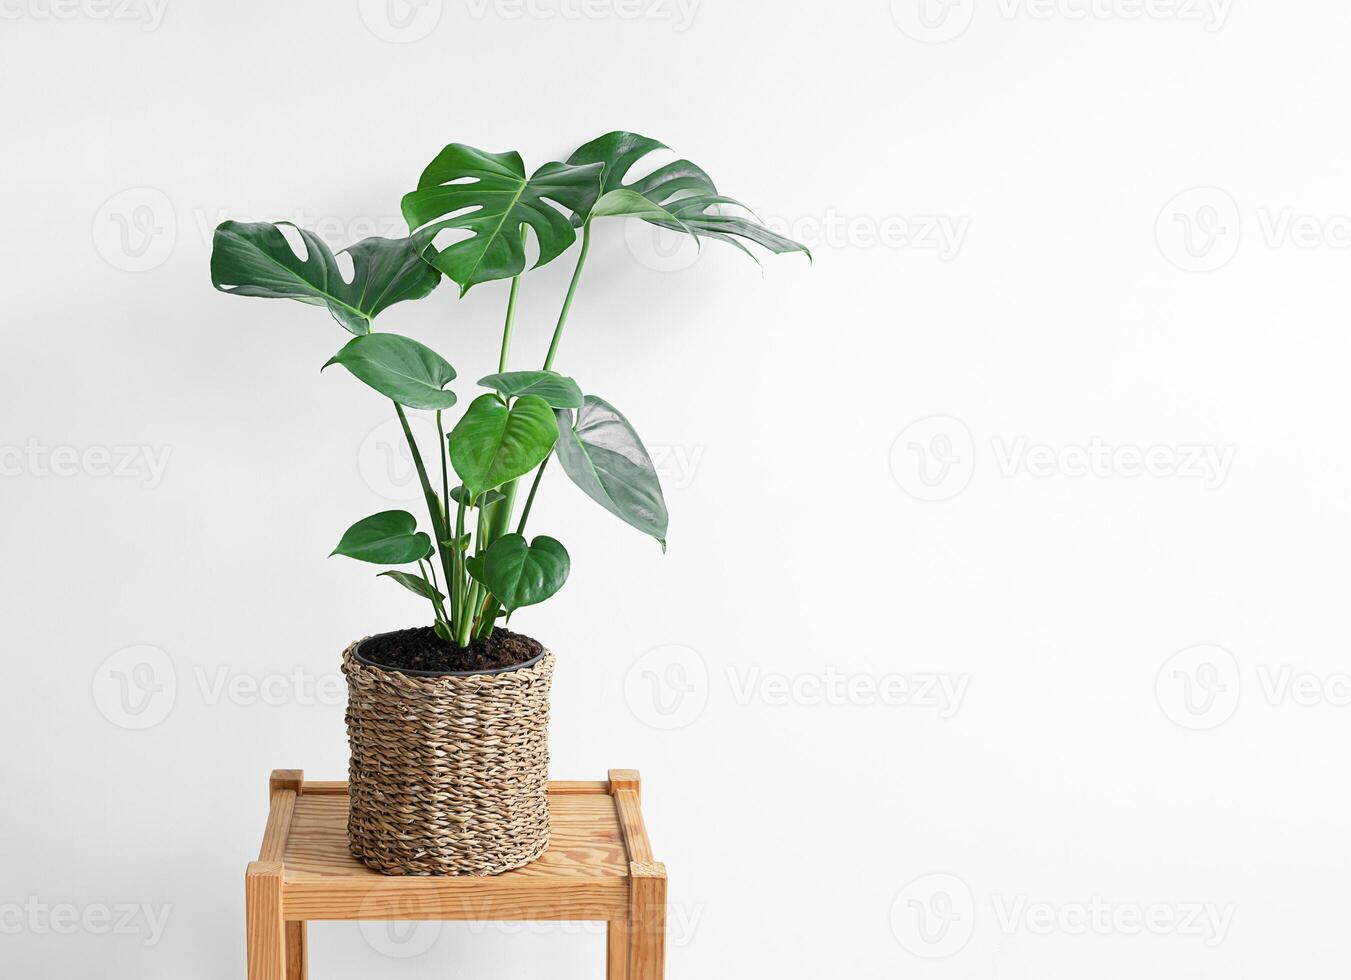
(522, 575)
(474, 566)
(461, 495)
(400, 368)
(604, 456)
(489, 196)
(493, 444)
(458, 544)
(443, 631)
(554, 388)
(415, 584)
(679, 196)
(388, 538)
(255, 259)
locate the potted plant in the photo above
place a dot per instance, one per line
(448, 723)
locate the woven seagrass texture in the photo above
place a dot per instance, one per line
(449, 775)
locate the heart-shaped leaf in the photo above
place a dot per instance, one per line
(493, 444)
(415, 584)
(388, 538)
(474, 566)
(255, 259)
(604, 456)
(400, 368)
(554, 388)
(678, 196)
(522, 575)
(489, 196)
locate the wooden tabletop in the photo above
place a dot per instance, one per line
(598, 843)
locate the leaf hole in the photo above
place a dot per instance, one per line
(346, 268)
(447, 237)
(297, 241)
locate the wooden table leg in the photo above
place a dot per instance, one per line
(263, 915)
(617, 949)
(297, 951)
(647, 920)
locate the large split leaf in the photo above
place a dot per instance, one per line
(388, 538)
(400, 368)
(489, 196)
(679, 196)
(520, 574)
(493, 444)
(604, 456)
(255, 259)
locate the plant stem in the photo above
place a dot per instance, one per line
(438, 522)
(567, 302)
(445, 504)
(459, 589)
(530, 500)
(429, 575)
(511, 316)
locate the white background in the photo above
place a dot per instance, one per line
(1120, 544)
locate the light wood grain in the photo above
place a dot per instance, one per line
(617, 949)
(632, 826)
(583, 874)
(626, 779)
(266, 936)
(291, 779)
(647, 921)
(297, 951)
(599, 865)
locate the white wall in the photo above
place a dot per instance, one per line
(1059, 323)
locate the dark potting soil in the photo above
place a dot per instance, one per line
(422, 649)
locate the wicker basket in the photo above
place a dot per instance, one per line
(449, 772)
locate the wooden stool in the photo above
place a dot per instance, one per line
(599, 866)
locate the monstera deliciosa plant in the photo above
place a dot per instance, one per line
(469, 219)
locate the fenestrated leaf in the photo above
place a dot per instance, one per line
(255, 259)
(388, 538)
(489, 196)
(493, 444)
(604, 456)
(519, 575)
(400, 368)
(556, 389)
(679, 196)
(415, 584)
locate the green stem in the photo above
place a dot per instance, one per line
(567, 302)
(438, 522)
(530, 500)
(429, 574)
(445, 503)
(511, 315)
(460, 590)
